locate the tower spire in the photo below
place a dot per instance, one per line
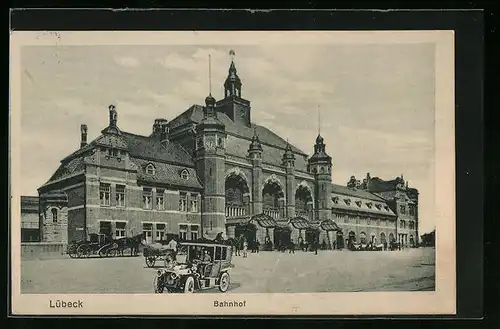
(209, 75)
(319, 121)
(232, 85)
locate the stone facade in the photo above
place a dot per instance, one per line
(211, 170)
(54, 217)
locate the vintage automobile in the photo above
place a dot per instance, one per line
(202, 265)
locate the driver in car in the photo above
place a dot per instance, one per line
(206, 257)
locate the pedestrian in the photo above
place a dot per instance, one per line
(245, 246)
(316, 245)
(173, 246)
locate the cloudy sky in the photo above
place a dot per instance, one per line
(376, 101)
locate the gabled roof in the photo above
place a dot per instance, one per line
(167, 173)
(273, 145)
(387, 195)
(357, 193)
(361, 201)
(145, 147)
(68, 168)
(379, 185)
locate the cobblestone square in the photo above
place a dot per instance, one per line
(264, 272)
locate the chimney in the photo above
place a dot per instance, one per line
(83, 131)
(160, 129)
(164, 131)
(113, 116)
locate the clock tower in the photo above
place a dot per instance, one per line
(233, 105)
(210, 163)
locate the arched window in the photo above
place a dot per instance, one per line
(150, 169)
(185, 174)
(54, 215)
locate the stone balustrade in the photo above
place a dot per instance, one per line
(234, 211)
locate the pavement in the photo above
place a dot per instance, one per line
(264, 272)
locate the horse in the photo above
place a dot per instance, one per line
(130, 242)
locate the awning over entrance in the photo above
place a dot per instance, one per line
(300, 223)
(264, 220)
(315, 225)
(329, 225)
(282, 223)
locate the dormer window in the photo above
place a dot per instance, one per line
(335, 200)
(369, 205)
(150, 169)
(113, 152)
(378, 206)
(347, 201)
(358, 203)
(386, 208)
(185, 174)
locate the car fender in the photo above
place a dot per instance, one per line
(183, 279)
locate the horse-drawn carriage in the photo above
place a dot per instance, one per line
(160, 250)
(104, 246)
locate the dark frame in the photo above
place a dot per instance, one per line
(468, 27)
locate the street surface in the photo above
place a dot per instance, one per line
(264, 272)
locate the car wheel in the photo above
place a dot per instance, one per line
(150, 261)
(189, 285)
(224, 282)
(158, 287)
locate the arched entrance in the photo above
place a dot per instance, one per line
(391, 237)
(282, 236)
(237, 196)
(272, 195)
(351, 239)
(382, 238)
(303, 202)
(339, 240)
(248, 231)
(373, 238)
(362, 238)
(312, 236)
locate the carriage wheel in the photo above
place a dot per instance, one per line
(224, 282)
(82, 251)
(150, 261)
(72, 251)
(102, 253)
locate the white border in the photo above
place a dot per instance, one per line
(441, 301)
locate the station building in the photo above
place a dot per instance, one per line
(212, 169)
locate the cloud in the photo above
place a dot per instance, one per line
(127, 61)
(373, 117)
(177, 62)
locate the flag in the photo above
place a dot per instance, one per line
(232, 53)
